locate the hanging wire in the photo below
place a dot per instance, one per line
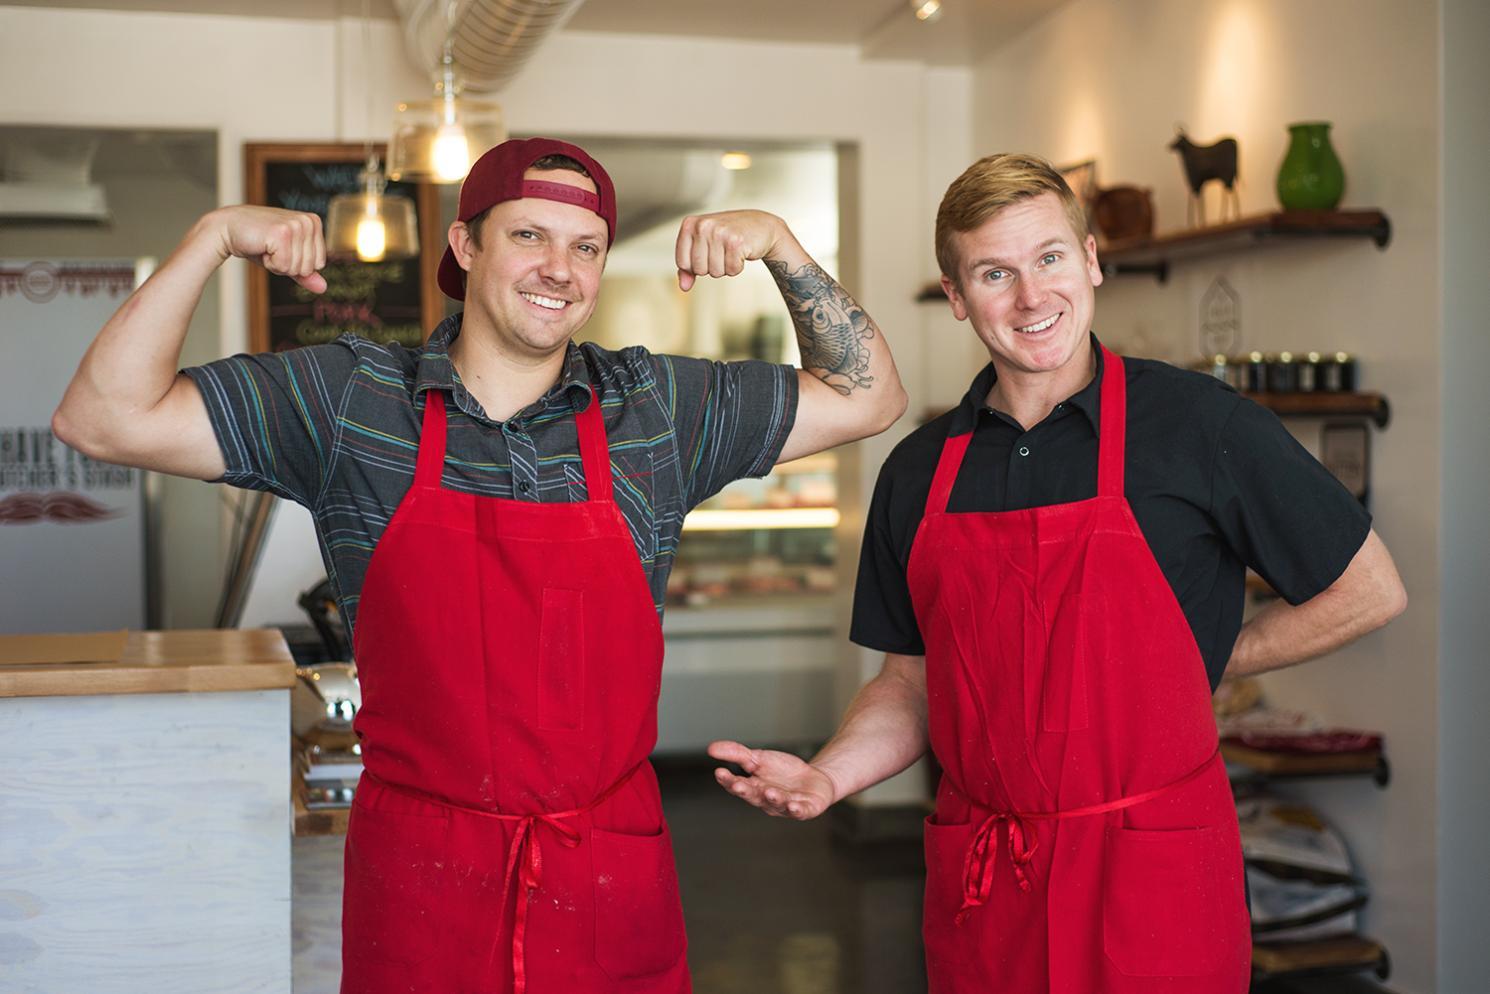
(372, 163)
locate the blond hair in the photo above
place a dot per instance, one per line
(988, 186)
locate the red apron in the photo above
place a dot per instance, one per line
(507, 834)
(1085, 840)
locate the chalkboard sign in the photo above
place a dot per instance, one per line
(390, 301)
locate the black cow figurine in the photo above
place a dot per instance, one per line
(1204, 163)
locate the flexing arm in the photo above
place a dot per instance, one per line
(1366, 596)
(883, 732)
(849, 388)
(127, 404)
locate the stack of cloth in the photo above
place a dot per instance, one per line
(1301, 880)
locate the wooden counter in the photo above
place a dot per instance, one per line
(202, 661)
(145, 837)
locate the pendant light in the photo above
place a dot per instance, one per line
(435, 141)
(370, 224)
(926, 10)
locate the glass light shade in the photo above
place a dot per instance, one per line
(435, 141)
(371, 227)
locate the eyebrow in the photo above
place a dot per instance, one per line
(1039, 249)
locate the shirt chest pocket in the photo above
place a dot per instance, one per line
(633, 487)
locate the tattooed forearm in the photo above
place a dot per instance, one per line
(832, 330)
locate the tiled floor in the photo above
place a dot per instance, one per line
(774, 905)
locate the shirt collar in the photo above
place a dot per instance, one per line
(975, 401)
(434, 370)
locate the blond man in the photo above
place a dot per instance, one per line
(1054, 569)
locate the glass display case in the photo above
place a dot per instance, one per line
(768, 537)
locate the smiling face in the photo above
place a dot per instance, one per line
(1025, 280)
(533, 274)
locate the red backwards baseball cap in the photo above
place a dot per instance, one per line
(498, 177)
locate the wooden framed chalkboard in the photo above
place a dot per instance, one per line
(394, 300)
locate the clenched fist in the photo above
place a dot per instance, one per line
(720, 244)
(289, 243)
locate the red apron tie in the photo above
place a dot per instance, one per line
(977, 867)
(527, 872)
(982, 851)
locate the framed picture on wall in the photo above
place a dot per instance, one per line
(1082, 179)
(396, 300)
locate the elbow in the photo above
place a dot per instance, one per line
(1389, 600)
(64, 430)
(72, 432)
(892, 409)
(1394, 600)
(901, 405)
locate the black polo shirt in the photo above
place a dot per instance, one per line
(1216, 482)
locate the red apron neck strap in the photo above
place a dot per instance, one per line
(431, 462)
(594, 450)
(953, 449)
(1112, 441)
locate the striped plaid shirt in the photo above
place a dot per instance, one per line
(336, 428)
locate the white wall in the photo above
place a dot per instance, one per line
(1108, 79)
(1464, 540)
(936, 370)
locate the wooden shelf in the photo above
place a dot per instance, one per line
(1316, 957)
(1154, 256)
(1287, 765)
(1327, 405)
(308, 820)
(315, 821)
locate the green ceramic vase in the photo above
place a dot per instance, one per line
(1311, 177)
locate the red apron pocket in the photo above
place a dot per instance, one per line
(561, 660)
(638, 913)
(1063, 687)
(1167, 908)
(946, 849)
(391, 910)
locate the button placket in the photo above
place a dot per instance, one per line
(523, 455)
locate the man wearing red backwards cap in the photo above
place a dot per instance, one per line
(498, 510)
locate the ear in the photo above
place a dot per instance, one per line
(462, 246)
(1093, 267)
(954, 297)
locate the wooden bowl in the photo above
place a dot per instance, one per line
(1123, 212)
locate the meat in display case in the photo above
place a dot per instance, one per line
(772, 536)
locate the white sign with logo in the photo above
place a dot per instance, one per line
(72, 529)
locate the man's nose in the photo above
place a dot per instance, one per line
(554, 266)
(1032, 292)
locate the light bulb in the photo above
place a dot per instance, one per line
(927, 11)
(372, 238)
(452, 155)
